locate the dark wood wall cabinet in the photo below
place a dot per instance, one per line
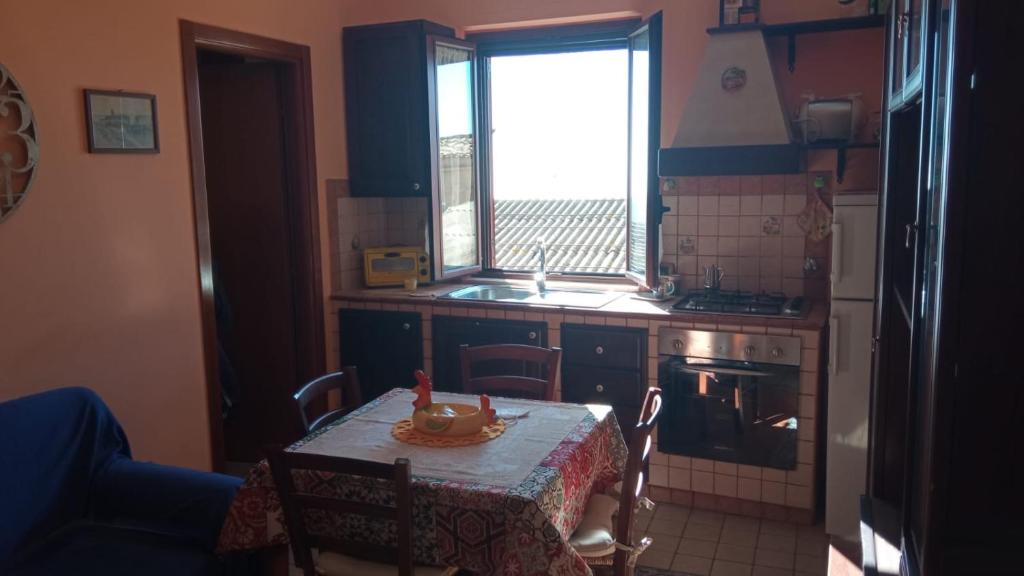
(947, 396)
(385, 347)
(450, 332)
(386, 107)
(605, 366)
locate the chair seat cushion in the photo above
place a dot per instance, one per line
(335, 564)
(595, 535)
(87, 549)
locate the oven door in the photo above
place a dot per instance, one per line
(729, 411)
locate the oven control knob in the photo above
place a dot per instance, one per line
(778, 352)
(749, 351)
(678, 344)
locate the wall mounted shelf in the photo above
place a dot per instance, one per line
(793, 29)
(840, 149)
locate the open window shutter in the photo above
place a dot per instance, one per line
(644, 207)
(454, 149)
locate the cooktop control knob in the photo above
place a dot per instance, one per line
(678, 344)
(749, 351)
(778, 352)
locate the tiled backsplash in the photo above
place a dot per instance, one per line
(358, 223)
(747, 225)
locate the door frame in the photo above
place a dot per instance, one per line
(303, 216)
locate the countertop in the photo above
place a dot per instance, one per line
(626, 306)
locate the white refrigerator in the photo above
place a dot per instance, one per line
(854, 231)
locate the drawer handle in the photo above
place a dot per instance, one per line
(599, 350)
(599, 387)
(532, 335)
(406, 326)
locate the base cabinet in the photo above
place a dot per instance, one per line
(605, 366)
(385, 347)
(451, 332)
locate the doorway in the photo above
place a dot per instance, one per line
(249, 106)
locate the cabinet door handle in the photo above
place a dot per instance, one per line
(406, 326)
(599, 387)
(415, 185)
(599, 350)
(532, 335)
(833, 345)
(911, 231)
(837, 251)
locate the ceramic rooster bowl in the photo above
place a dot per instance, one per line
(447, 419)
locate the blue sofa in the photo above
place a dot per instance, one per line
(72, 500)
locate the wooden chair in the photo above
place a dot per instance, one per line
(605, 535)
(519, 386)
(334, 556)
(346, 381)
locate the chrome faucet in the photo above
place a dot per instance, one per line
(541, 276)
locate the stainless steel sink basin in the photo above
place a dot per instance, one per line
(522, 295)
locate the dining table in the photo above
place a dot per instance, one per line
(506, 506)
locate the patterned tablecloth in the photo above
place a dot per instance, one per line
(507, 506)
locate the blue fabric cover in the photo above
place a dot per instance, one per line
(65, 462)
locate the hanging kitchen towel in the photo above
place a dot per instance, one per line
(816, 218)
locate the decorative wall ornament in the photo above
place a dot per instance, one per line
(19, 144)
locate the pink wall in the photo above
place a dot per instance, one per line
(98, 280)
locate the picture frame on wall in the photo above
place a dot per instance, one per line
(121, 122)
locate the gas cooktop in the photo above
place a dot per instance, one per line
(742, 303)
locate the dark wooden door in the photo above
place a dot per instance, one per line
(386, 108)
(247, 188)
(386, 347)
(451, 332)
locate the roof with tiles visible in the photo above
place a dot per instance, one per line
(584, 236)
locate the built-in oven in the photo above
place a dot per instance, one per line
(729, 397)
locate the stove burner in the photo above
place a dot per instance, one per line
(742, 303)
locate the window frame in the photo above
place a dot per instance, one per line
(614, 34)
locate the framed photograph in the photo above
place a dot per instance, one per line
(121, 122)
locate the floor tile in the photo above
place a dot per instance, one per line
(739, 537)
(735, 553)
(742, 523)
(773, 559)
(669, 527)
(811, 565)
(659, 560)
(692, 564)
(777, 541)
(671, 511)
(664, 543)
(766, 571)
(772, 527)
(726, 568)
(702, 532)
(816, 546)
(693, 547)
(707, 517)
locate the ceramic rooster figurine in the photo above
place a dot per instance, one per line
(424, 386)
(448, 418)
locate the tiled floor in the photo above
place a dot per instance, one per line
(715, 544)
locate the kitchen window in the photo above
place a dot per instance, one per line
(548, 134)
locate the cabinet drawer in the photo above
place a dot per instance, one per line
(588, 385)
(590, 346)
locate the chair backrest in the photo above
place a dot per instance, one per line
(346, 381)
(511, 386)
(633, 481)
(296, 501)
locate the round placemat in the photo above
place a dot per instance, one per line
(403, 431)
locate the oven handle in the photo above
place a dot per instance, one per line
(723, 370)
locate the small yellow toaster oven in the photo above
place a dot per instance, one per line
(391, 265)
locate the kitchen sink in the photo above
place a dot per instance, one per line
(524, 295)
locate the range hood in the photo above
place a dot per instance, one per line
(734, 121)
